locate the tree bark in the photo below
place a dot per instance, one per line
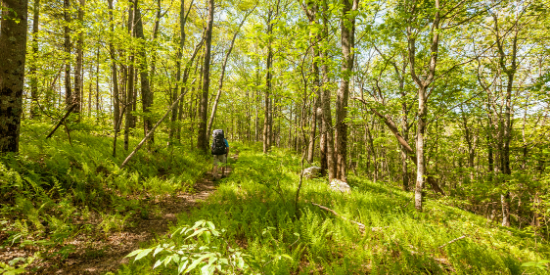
(420, 164)
(79, 59)
(13, 45)
(347, 28)
(97, 103)
(34, 113)
(146, 93)
(267, 133)
(130, 78)
(202, 142)
(116, 96)
(67, 45)
(326, 114)
(257, 108)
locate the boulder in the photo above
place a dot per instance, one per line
(312, 172)
(338, 185)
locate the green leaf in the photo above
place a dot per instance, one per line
(143, 253)
(208, 269)
(157, 264)
(157, 250)
(195, 263)
(167, 260)
(133, 253)
(182, 266)
(199, 231)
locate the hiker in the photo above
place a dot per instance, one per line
(220, 150)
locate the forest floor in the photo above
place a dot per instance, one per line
(101, 252)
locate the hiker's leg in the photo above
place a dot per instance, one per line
(224, 162)
(215, 168)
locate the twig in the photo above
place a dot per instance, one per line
(62, 120)
(454, 240)
(361, 226)
(294, 242)
(68, 133)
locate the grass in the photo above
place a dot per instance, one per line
(254, 212)
(56, 189)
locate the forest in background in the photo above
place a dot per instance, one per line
(450, 99)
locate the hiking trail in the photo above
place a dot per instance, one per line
(101, 255)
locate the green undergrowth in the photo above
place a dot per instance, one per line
(56, 188)
(253, 214)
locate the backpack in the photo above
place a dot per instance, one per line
(218, 144)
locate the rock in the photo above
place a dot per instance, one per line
(338, 185)
(312, 172)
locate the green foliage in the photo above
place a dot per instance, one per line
(198, 247)
(54, 190)
(11, 269)
(255, 207)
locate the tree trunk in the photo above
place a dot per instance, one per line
(420, 165)
(267, 135)
(67, 45)
(179, 55)
(326, 114)
(97, 85)
(13, 45)
(313, 126)
(202, 142)
(155, 34)
(258, 103)
(347, 27)
(78, 81)
(116, 96)
(404, 124)
(34, 113)
(130, 87)
(423, 82)
(146, 93)
(370, 141)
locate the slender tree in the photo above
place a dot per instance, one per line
(13, 45)
(78, 79)
(34, 113)
(202, 142)
(347, 29)
(67, 45)
(146, 93)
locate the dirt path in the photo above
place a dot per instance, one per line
(100, 255)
